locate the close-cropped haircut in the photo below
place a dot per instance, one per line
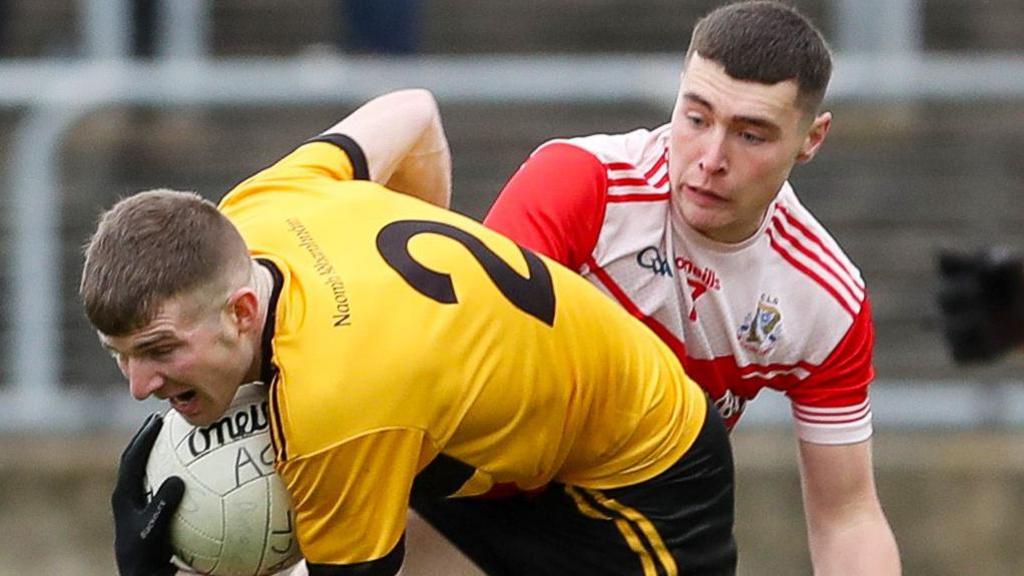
(153, 246)
(766, 42)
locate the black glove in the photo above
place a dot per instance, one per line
(142, 541)
(981, 297)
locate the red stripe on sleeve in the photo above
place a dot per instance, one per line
(814, 238)
(657, 166)
(832, 416)
(627, 182)
(810, 274)
(840, 281)
(638, 197)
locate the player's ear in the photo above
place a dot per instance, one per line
(815, 137)
(243, 309)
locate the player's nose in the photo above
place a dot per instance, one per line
(143, 380)
(713, 157)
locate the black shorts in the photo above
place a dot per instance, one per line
(679, 522)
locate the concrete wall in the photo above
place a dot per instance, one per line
(954, 500)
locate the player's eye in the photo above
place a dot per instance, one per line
(751, 137)
(695, 120)
(160, 351)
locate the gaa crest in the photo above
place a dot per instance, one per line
(762, 328)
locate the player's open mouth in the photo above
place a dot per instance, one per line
(185, 403)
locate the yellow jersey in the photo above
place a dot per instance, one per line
(413, 349)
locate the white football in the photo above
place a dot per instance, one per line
(235, 518)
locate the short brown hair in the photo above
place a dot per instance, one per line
(766, 42)
(153, 246)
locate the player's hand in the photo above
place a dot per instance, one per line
(981, 297)
(142, 541)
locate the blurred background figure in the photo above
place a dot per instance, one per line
(981, 298)
(144, 28)
(4, 19)
(378, 26)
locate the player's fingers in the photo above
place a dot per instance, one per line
(170, 493)
(159, 510)
(132, 470)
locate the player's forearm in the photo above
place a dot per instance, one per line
(865, 547)
(404, 142)
(426, 171)
(847, 529)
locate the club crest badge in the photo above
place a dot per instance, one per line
(761, 329)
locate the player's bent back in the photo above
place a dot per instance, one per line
(415, 353)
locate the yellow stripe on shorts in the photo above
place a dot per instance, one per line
(640, 534)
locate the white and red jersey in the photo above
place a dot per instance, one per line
(784, 309)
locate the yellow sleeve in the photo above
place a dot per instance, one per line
(350, 501)
(337, 158)
(316, 159)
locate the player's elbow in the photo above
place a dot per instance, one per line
(418, 105)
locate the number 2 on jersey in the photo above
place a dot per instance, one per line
(534, 295)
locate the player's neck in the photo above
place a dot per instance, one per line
(263, 283)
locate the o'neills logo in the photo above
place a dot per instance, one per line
(730, 407)
(229, 429)
(700, 280)
(705, 276)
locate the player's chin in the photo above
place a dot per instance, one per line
(199, 421)
(704, 219)
(199, 414)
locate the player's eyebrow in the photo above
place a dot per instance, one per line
(143, 343)
(772, 128)
(697, 99)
